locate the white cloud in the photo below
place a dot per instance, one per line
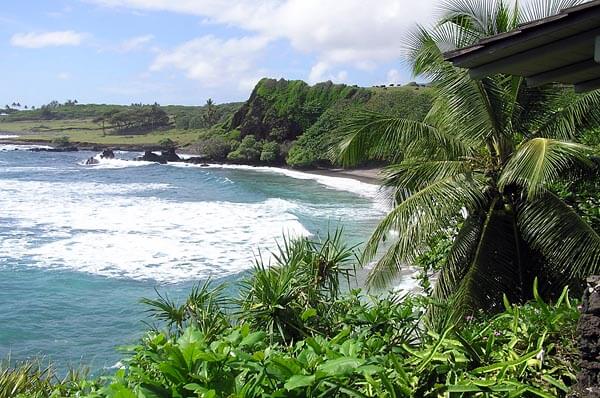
(394, 76)
(47, 39)
(214, 61)
(63, 76)
(321, 71)
(135, 43)
(349, 33)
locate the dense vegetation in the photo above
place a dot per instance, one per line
(294, 333)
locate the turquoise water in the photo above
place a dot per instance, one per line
(80, 245)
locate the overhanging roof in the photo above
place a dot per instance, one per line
(563, 48)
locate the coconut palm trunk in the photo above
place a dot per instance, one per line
(485, 156)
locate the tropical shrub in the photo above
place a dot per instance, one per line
(215, 147)
(522, 352)
(249, 150)
(270, 152)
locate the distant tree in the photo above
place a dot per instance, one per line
(46, 113)
(210, 113)
(26, 107)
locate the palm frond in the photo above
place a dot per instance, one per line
(416, 218)
(538, 9)
(541, 161)
(578, 113)
(495, 267)
(481, 17)
(375, 133)
(415, 174)
(461, 254)
(557, 232)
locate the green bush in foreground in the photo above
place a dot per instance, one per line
(292, 333)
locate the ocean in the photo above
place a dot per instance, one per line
(80, 245)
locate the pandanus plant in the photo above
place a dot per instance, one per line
(486, 155)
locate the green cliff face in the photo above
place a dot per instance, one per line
(281, 110)
(311, 117)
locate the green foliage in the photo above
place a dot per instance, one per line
(281, 110)
(215, 147)
(182, 122)
(147, 117)
(283, 297)
(249, 150)
(31, 379)
(377, 349)
(295, 334)
(317, 146)
(270, 152)
(197, 122)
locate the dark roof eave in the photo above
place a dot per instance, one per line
(460, 55)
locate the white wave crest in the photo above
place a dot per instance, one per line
(20, 147)
(337, 183)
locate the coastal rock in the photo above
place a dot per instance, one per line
(196, 160)
(170, 156)
(107, 154)
(150, 156)
(588, 330)
(91, 161)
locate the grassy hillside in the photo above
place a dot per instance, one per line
(97, 123)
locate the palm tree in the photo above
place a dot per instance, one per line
(485, 156)
(210, 115)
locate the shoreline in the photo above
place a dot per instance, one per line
(366, 175)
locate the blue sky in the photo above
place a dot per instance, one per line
(185, 51)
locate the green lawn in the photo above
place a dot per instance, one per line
(84, 131)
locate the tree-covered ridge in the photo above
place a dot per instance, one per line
(282, 110)
(308, 119)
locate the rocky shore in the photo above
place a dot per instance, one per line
(155, 153)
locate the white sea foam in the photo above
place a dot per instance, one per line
(95, 228)
(11, 147)
(115, 163)
(8, 136)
